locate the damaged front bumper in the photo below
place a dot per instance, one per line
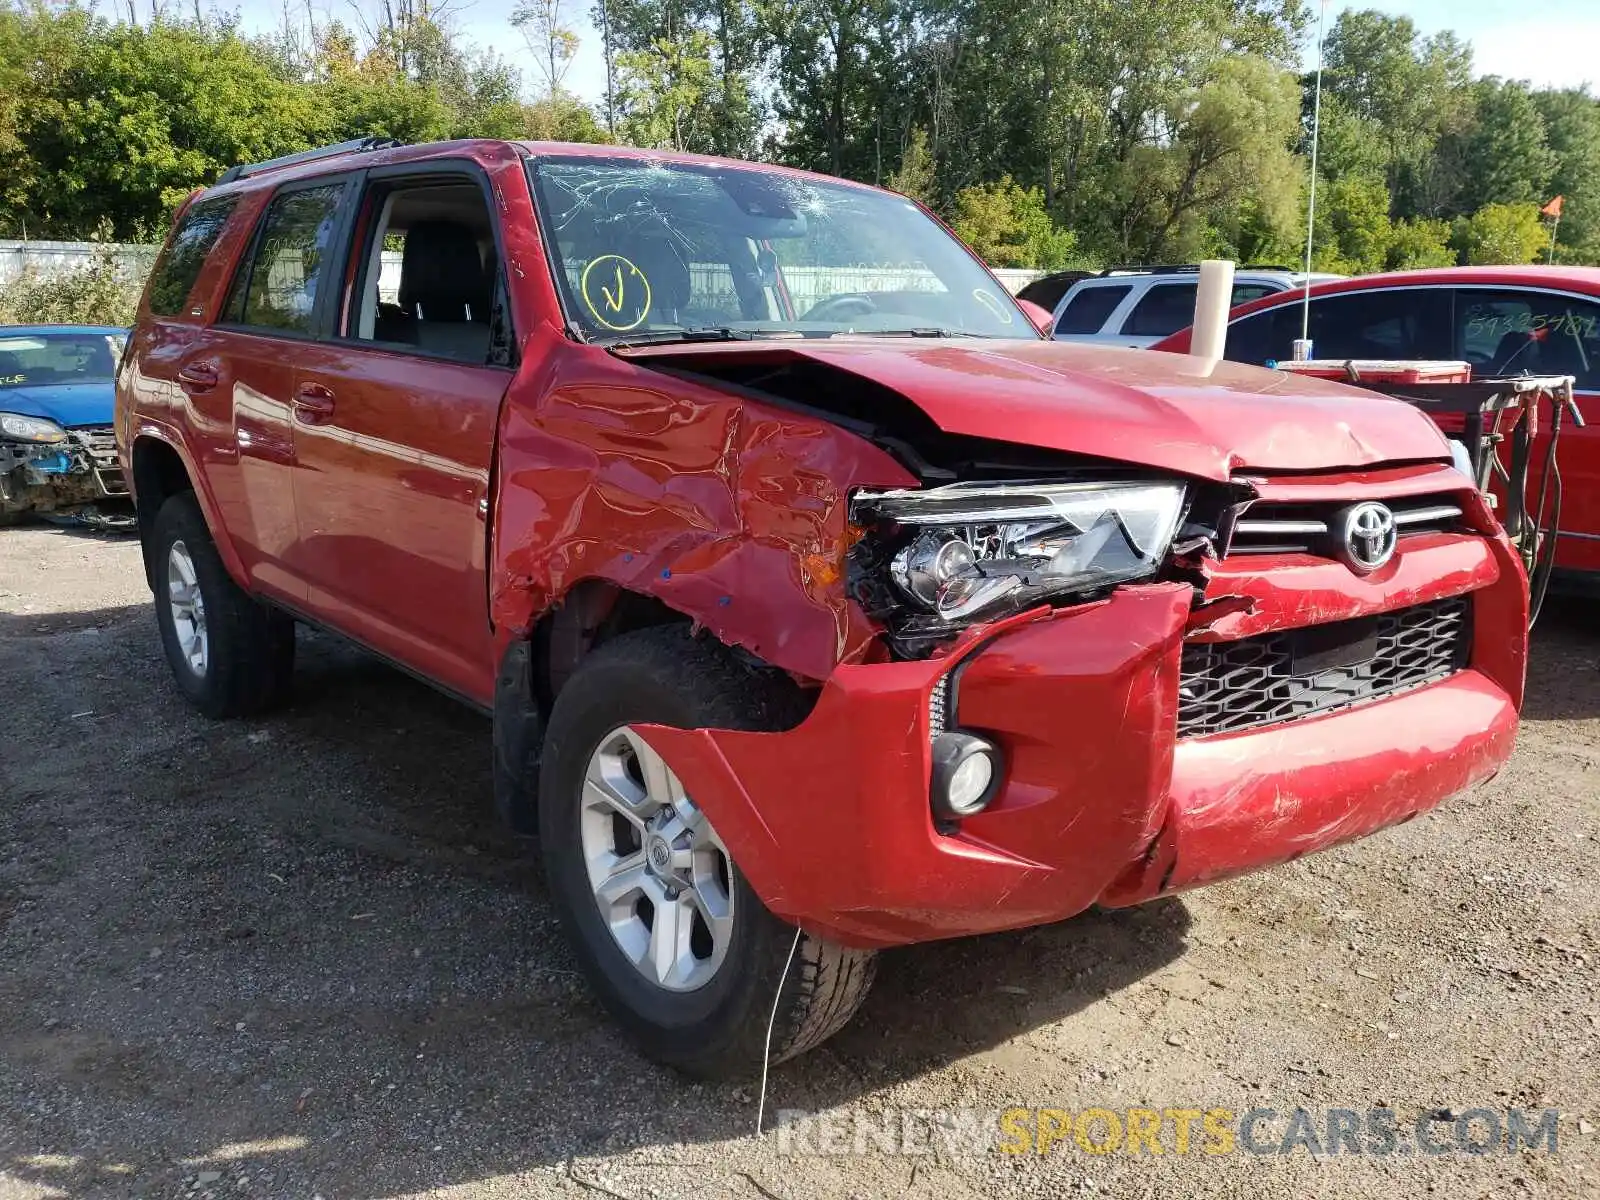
(78, 477)
(1103, 802)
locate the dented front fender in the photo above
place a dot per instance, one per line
(727, 510)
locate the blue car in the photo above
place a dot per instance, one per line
(58, 453)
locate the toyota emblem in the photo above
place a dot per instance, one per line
(1366, 534)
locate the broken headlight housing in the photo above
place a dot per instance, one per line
(933, 560)
(17, 427)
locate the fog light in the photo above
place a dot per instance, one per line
(966, 774)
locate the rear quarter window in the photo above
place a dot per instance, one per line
(1088, 309)
(1165, 308)
(277, 288)
(176, 270)
(1510, 331)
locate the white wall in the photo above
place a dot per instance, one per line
(49, 258)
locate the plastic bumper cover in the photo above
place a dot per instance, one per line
(1101, 802)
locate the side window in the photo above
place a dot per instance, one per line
(429, 269)
(1088, 309)
(1391, 323)
(1165, 308)
(1394, 323)
(1243, 293)
(278, 289)
(173, 277)
(1511, 332)
(1264, 337)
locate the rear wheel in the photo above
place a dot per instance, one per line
(675, 941)
(231, 655)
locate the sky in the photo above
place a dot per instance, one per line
(1550, 43)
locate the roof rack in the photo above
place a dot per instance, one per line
(1152, 269)
(1189, 268)
(354, 146)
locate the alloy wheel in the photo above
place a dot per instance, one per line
(188, 608)
(661, 877)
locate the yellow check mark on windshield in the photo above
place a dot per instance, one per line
(613, 301)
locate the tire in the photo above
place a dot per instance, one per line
(716, 1027)
(246, 655)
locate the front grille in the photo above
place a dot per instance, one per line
(1228, 686)
(99, 442)
(1310, 528)
(939, 707)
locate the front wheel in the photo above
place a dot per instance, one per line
(231, 655)
(671, 935)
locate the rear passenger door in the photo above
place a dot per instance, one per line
(244, 369)
(394, 424)
(1508, 331)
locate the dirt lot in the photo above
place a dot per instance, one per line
(298, 958)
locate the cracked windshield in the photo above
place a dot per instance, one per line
(660, 252)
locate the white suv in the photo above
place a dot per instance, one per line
(1138, 306)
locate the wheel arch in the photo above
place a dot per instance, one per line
(161, 468)
(533, 669)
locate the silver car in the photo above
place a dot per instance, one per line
(1138, 306)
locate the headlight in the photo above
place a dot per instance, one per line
(970, 550)
(30, 429)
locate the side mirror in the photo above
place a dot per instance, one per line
(1043, 319)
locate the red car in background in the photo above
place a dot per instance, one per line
(1502, 320)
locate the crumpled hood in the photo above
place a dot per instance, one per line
(1168, 411)
(67, 404)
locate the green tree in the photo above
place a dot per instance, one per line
(1411, 89)
(1419, 243)
(663, 92)
(707, 52)
(1229, 142)
(1501, 233)
(916, 175)
(1007, 226)
(1572, 129)
(833, 68)
(1503, 152)
(118, 123)
(1353, 232)
(550, 37)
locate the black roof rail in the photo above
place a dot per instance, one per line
(1151, 269)
(353, 146)
(1190, 268)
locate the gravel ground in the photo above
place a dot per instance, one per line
(297, 957)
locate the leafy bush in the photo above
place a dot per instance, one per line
(1501, 233)
(1420, 243)
(99, 293)
(1008, 226)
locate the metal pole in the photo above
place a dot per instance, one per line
(1311, 207)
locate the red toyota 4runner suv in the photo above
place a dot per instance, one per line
(820, 605)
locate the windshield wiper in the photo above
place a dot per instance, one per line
(707, 333)
(727, 333)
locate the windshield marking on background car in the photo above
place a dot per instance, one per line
(58, 358)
